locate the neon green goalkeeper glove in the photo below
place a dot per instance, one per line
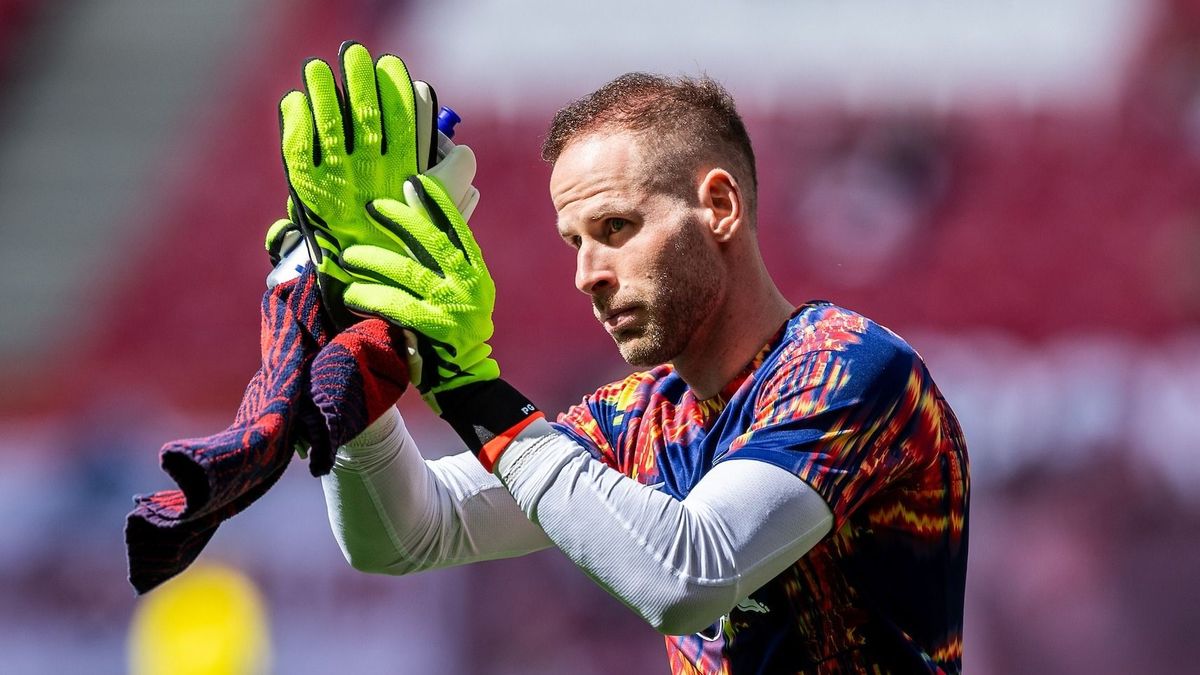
(343, 149)
(435, 283)
(432, 279)
(455, 172)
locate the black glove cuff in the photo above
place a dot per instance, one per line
(481, 411)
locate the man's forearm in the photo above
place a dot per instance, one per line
(392, 512)
(679, 564)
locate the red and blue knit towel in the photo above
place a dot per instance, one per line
(309, 389)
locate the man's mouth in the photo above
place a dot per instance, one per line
(619, 317)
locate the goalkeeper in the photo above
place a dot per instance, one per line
(780, 489)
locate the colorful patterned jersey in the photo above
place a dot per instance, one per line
(849, 407)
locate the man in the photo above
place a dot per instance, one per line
(783, 489)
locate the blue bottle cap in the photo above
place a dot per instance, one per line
(447, 118)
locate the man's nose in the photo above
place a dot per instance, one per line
(593, 272)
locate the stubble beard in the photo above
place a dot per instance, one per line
(686, 285)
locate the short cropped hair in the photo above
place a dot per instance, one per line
(685, 123)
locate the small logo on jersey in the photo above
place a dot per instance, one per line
(752, 605)
(728, 629)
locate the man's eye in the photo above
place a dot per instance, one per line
(615, 224)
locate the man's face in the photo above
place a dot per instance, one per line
(642, 253)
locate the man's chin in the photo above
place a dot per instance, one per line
(642, 351)
(640, 360)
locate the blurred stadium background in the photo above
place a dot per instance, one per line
(1014, 185)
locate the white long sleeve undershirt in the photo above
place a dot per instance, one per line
(680, 564)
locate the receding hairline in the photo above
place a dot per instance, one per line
(671, 168)
(684, 124)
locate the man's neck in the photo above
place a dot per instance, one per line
(733, 336)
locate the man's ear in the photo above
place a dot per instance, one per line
(721, 198)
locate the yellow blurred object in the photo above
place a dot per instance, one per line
(207, 621)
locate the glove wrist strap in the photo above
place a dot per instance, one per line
(487, 416)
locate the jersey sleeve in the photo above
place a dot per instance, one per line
(599, 420)
(580, 423)
(833, 410)
(606, 420)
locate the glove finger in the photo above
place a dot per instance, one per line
(457, 220)
(327, 109)
(370, 279)
(482, 365)
(383, 266)
(397, 108)
(280, 235)
(296, 134)
(399, 307)
(444, 215)
(362, 99)
(433, 225)
(413, 230)
(425, 104)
